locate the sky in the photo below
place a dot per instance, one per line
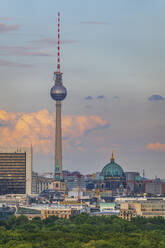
(112, 59)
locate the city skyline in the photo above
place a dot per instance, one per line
(113, 65)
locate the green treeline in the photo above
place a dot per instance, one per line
(82, 231)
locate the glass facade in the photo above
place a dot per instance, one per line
(12, 173)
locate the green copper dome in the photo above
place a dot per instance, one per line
(112, 169)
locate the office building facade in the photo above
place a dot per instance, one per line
(15, 170)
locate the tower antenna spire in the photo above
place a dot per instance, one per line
(58, 46)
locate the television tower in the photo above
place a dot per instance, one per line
(58, 92)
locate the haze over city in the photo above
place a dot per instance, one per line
(113, 64)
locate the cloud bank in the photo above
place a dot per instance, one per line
(6, 28)
(100, 97)
(95, 23)
(37, 128)
(7, 63)
(156, 98)
(116, 97)
(157, 146)
(23, 51)
(88, 98)
(7, 18)
(50, 41)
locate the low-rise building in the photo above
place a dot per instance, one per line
(107, 206)
(154, 187)
(41, 183)
(149, 208)
(44, 210)
(6, 211)
(127, 214)
(13, 200)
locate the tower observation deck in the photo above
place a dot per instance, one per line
(58, 93)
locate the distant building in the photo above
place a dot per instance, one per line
(134, 183)
(44, 211)
(127, 214)
(41, 183)
(16, 171)
(6, 211)
(108, 207)
(149, 208)
(154, 187)
(72, 180)
(130, 180)
(112, 177)
(13, 200)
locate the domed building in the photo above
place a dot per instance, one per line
(112, 176)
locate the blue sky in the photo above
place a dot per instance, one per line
(110, 48)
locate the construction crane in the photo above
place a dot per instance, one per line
(79, 187)
(98, 197)
(79, 190)
(93, 176)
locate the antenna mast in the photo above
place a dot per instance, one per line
(58, 47)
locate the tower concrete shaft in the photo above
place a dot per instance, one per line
(58, 143)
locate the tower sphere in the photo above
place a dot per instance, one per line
(58, 92)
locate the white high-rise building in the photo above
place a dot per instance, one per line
(16, 170)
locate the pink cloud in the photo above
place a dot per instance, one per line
(22, 129)
(157, 146)
(37, 50)
(95, 23)
(22, 51)
(6, 18)
(5, 28)
(52, 41)
(12, 64)
(36, 53)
